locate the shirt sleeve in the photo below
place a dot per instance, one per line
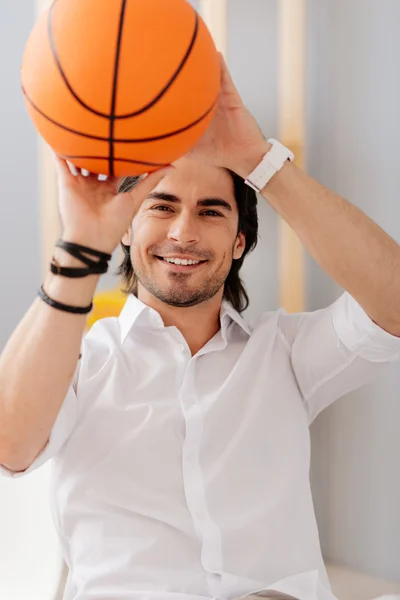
(336, 350)
(62, 429)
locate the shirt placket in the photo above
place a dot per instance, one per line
(193, 480)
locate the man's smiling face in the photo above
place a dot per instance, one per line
(185, 235)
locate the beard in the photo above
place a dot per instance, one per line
(179, 293)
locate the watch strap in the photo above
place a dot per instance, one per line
(272, 162)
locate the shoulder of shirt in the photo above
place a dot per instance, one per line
(101, 345)
(103, 337)
(104, 329)
(280, 323)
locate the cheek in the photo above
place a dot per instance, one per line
(230, 232)
(225, 238)
(146, 232)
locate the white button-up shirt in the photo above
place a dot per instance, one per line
(187, 478)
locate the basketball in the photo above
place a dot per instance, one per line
(121, 87)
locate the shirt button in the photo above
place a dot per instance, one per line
(182, 348)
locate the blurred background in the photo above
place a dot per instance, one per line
(323, 77)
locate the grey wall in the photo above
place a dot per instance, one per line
(28, 544)
(353, 134)
(195, 4)
(19, 220)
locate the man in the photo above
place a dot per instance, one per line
(180, 437)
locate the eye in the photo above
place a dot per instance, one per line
(162, 207)
(211, 213)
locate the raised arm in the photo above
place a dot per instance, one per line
(347, 244)
(38, 364)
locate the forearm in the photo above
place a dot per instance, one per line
(37, 367)
(347, 244)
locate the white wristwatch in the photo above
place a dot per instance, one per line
(272, 162)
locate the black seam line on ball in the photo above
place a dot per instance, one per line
(117, 140)
(129, 115)
(173, 78)
(116, 160)
(115, 87)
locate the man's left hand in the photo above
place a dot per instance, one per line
(233, 140)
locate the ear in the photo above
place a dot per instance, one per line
(127, 239)
(240, 246)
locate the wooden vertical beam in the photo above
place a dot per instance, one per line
(214, 13)
(292, 133)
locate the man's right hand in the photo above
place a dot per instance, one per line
(93, 213)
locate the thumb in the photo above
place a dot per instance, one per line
(149, 181)
(143, 184)
(61, 166)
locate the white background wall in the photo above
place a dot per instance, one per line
(353, 132)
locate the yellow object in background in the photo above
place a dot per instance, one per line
(106, 304)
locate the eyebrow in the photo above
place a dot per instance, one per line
(207, 202)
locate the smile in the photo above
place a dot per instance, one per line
(181, 264)
(180, 261)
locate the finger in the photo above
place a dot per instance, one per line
(93, 176)
(61, 166)
(72, 168)
(145, 184)
(149, 181)
(133, 198)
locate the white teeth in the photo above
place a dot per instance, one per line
(178, 261)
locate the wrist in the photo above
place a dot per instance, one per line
(98, 243)
(93, 262)
(74, 292)
(251, 158)
(64, 259)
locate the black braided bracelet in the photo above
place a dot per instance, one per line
(64, 307)
(77, 273)
(74, 248)
(77, 251)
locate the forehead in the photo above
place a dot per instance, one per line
(192, 180)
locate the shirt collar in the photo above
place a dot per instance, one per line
(228, 313)
(135, 312)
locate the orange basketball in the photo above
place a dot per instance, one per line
(121, 87)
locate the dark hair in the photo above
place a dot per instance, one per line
(235, 292)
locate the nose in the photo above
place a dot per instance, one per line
(183, 229)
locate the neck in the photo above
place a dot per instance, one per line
(198, 324)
